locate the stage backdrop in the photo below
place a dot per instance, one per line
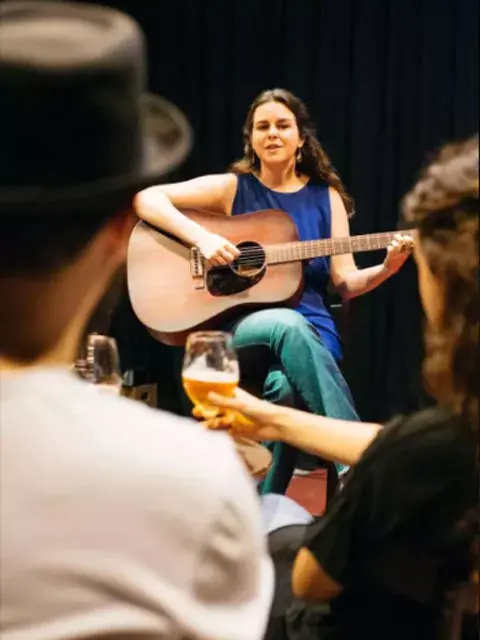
(387, 81)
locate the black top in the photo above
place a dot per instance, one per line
(401, 505)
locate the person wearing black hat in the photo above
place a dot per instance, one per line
(117, 520)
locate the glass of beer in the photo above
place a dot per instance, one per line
(210, 364)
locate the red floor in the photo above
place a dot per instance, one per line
(309, 491)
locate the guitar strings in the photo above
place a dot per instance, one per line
(262, 258)
(251, 255)
(351, 241)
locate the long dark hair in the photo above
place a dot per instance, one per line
(314, 162)
(444, 206)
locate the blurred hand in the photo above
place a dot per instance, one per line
(398, 252)
(217, 250)
(243, 415)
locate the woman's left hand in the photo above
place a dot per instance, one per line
(398, 252)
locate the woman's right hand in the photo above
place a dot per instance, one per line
(243, 415)
(217, 250)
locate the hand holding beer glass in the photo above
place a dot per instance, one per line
(210, 364)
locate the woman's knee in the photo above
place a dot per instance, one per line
(271, 318)
(272, 328)
(283, 322)
(285, 318)
(290, 331)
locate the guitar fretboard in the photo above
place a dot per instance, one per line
(296, 251)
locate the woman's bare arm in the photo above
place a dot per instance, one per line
(336, 440)
(159, 206)
(347, 278)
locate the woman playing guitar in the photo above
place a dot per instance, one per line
(284, 167)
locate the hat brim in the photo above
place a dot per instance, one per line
(167, 141)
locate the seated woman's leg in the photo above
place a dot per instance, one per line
(310, 375)
(308, 365)
(277, 389)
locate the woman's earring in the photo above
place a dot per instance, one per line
(250, 154)
(298, 157)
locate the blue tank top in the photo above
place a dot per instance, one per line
(310, 209)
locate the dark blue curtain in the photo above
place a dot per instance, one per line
(387, 81)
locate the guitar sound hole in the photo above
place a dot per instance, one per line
(250, 261)
(245, 272)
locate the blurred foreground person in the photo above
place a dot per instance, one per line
(117, 521)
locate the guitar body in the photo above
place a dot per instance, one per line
(171, 302)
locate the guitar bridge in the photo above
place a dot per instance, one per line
(197, 269)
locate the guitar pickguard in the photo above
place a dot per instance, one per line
(243, 274)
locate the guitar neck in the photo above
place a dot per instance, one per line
(308, 249)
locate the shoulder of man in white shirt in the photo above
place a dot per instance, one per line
(159, 511)
(215, 518)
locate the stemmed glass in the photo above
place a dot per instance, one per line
(101, 363)
(210, 364)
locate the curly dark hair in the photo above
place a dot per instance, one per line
(444, 207)
(314, 161)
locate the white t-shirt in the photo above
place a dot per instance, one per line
(118, 520)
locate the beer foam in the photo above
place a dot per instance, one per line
(210, 376)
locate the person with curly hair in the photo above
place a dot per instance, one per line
(284, 167)
(401, 533)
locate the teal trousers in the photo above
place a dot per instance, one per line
(282, 355)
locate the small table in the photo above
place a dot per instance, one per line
(256, 457)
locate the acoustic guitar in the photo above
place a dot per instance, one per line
(173, 290)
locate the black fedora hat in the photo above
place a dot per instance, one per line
(77, 130)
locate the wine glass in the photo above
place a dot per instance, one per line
(101, 365)
(210, 364)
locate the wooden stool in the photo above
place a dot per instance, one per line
(256, 457)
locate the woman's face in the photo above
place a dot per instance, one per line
(431, 290)
(275, 137)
